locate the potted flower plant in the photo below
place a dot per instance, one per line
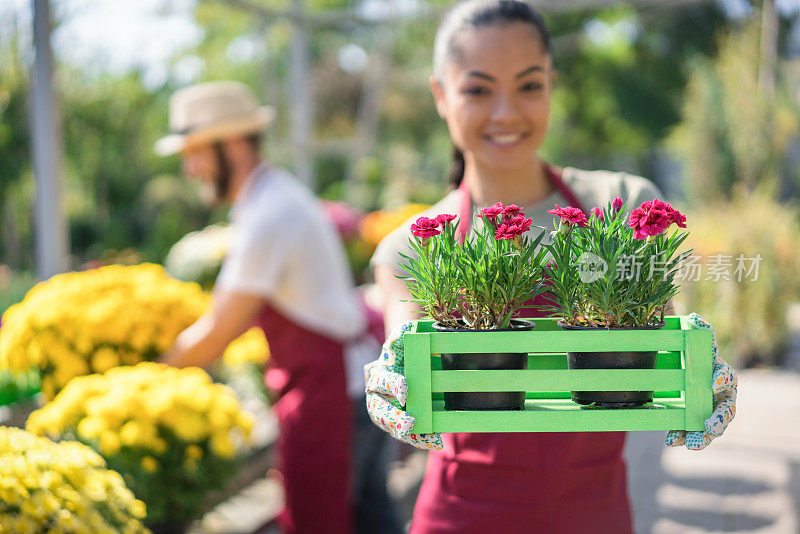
(609, 271)
(61, 487)
(173, 434)
(477, 283)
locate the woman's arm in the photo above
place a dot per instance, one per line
(394, 290)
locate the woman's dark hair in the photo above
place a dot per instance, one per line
(472, 14)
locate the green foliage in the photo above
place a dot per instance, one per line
(16, 386)
(173, 492)
(617, 95)
(749, 316)
(15, 155)
(731, 133)
(13, 287)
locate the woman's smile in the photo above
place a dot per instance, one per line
(506, 140)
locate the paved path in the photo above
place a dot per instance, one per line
(748, 481)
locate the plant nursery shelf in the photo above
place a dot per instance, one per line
(681, 380)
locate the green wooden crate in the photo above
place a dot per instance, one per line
(681, 380)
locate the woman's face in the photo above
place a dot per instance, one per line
(495, 95)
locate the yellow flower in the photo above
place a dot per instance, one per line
(57, 487)
(109, 443)
(249, 347)
(222, 446)
(91, 427)
(377, 225)
(134, 433)
(76, 323)
(143, 410)
(149, 464)
(194, 452)
(104, 359)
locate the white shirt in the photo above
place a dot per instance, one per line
(284, 249)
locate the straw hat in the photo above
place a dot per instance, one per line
(209, 112)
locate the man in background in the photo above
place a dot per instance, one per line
(286, 272)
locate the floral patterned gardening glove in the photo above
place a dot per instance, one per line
(724, 389)
(387, 391)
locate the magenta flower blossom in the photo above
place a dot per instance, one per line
(570, 215)
(616, 204)
(511, 228)
(491, 213)
(597, 212)
(652, 218)
(425, 227)
(445, 218)
(512, 210)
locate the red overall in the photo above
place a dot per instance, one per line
(515, 483)
(307, 371)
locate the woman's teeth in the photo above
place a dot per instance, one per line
(505, 139)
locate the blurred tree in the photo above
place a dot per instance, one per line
(732, 133)
(621, 82)
(15, 156)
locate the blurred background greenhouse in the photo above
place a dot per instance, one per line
(702, 97)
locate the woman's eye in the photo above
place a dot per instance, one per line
(476, 91)
(530, 87)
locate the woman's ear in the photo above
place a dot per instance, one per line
(438, 97)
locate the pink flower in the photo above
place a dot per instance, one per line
(616, 204)
(597, 212)
(512, 210)
(569, 215)
(345, 217)
(677, 217)
(445, 218)
(425, 227)
(652, 218)
(492, 212)
(514, 227)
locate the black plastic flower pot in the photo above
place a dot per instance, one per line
(489, 400)
(612, 360)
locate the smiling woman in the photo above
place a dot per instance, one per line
(492, 83)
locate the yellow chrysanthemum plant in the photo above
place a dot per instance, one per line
(250, 348)
(87, 322)
(172, 433)
(378, 224)
(242, 366)
(61, 487)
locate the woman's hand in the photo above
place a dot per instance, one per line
(724, 389)
(387, 391)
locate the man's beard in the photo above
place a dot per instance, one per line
(218, 191)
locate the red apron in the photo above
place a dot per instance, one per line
(307, 371)
(509, 483)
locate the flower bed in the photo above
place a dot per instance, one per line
(173, 434)
(88, 322)
(61, 487)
